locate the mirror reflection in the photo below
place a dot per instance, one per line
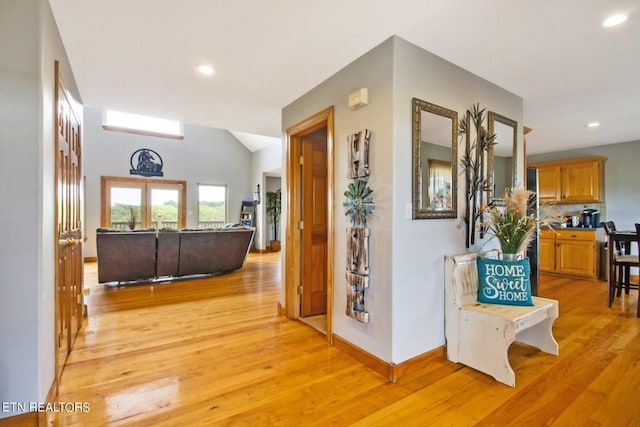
(434, 161)
(502, 156)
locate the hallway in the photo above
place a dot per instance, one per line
(213, 351)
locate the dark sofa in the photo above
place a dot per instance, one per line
(203, 252)
(126, 255)
(144, 255)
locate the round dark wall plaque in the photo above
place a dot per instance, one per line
(146, 162)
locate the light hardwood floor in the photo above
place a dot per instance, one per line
(214, 351)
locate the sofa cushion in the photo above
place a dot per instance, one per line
(213, 251)
(168, 253)
(126, 256)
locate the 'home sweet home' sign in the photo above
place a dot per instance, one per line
(504, 282)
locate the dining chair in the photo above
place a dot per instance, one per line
(620, 262)
(638, 242)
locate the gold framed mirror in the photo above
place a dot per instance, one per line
(435, 157)
(502, 162)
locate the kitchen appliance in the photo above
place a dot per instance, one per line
(575, 221)
(590, 218)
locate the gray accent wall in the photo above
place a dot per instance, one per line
(204, 156)
(29, 45)
(406, 294)
(419, 246)
(374, 70)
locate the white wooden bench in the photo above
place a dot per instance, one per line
(479, 335)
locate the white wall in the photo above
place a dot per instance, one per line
(20, 174)
(419, 246)
(406, 294)
(29, 45)
(373, 71)
(266, 162)
(205, 156)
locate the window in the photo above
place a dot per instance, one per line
(165, 206)
(439, 191)
(212, 205)
(132, 203)
(125, 207)
(146, 125)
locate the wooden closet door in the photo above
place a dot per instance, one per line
(69, 259)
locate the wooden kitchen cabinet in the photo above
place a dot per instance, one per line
(569, 252)
(547, 254)
(571, 181)
(575, 257)
(548, 183)
(582, 182)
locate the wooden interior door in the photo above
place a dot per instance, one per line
(315, 229)
(69, 260)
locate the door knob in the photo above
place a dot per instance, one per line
(71, 242)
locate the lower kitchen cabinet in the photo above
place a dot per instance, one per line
(547, 254)
(569, 252)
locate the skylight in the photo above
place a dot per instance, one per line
(146, 125)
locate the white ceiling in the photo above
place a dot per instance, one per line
(138, 56)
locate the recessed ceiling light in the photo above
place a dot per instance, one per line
(206, 70)
(593, 124)
(614, 20)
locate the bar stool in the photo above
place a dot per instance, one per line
(620, 263)
(638, 242)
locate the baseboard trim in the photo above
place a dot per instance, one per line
(391, 371)
(369, 360)
(53, 391)
(28, 419)
(44, 417)
(282, 311)
(417, 364)
(258, 251)
(32, 419)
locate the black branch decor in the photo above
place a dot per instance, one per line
(474, 162)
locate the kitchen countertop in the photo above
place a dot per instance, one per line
(576, 228)
(600, 234)
(557, 227)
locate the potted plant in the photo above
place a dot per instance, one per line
(133, 217)
(510, 222)
(274, 208)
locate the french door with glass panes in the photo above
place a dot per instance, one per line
(134, 203)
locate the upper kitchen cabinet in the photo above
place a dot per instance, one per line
(549, 183)
(571, 181)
